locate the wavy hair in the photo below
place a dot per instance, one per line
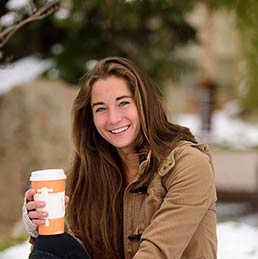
(96, 182)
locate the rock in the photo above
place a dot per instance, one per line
(35, 122)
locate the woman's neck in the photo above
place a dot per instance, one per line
(130, 163)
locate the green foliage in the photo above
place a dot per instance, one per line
(4, 245)
(248, 21)
(146, 31)
(8, 241)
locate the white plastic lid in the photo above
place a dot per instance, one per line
(47, 174)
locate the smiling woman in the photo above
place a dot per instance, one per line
(139, 186)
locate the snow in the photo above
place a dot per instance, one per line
(16, 4)
(8, 19)
(21, 71)
(237, 239)
(19, 251)
(62, 14)
(227, 130)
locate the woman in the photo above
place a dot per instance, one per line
(139, 186)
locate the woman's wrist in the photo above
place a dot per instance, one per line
(30, 228)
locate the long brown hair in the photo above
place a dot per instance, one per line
(96, 180)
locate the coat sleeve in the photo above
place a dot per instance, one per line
(190, 193)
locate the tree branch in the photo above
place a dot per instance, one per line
(38, 14)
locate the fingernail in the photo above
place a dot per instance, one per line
(42, 222)
(41, 204)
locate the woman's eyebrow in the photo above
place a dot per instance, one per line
(122, 97)
(117, 99)
(97, 103)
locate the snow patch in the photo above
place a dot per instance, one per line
(21, 71)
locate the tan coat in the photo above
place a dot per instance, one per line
(175, 216)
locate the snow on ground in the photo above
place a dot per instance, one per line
(227, 129)
(16, 252)
(236, 240)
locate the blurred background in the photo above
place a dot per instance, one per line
(203, 58)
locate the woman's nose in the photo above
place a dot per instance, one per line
(114, 116)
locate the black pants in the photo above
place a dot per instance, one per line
(62, 246)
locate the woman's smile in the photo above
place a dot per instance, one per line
(119, 130)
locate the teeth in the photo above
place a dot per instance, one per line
(119, 130)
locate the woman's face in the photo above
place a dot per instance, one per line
(115, 113)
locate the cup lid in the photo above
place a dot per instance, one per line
(47, 174)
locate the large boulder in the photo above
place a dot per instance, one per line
(35, 133)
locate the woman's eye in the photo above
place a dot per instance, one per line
(124, 103)
(100, 109)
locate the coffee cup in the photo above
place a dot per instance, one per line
(50, 187)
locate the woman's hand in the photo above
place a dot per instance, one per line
(37, 217)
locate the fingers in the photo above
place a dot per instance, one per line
(38, 222)
(33, 205)
(37, 217)
(29, 194)
(38, 214)
(66, 200)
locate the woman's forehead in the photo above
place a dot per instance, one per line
(109, 88)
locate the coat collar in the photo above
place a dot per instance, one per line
(170, 161)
